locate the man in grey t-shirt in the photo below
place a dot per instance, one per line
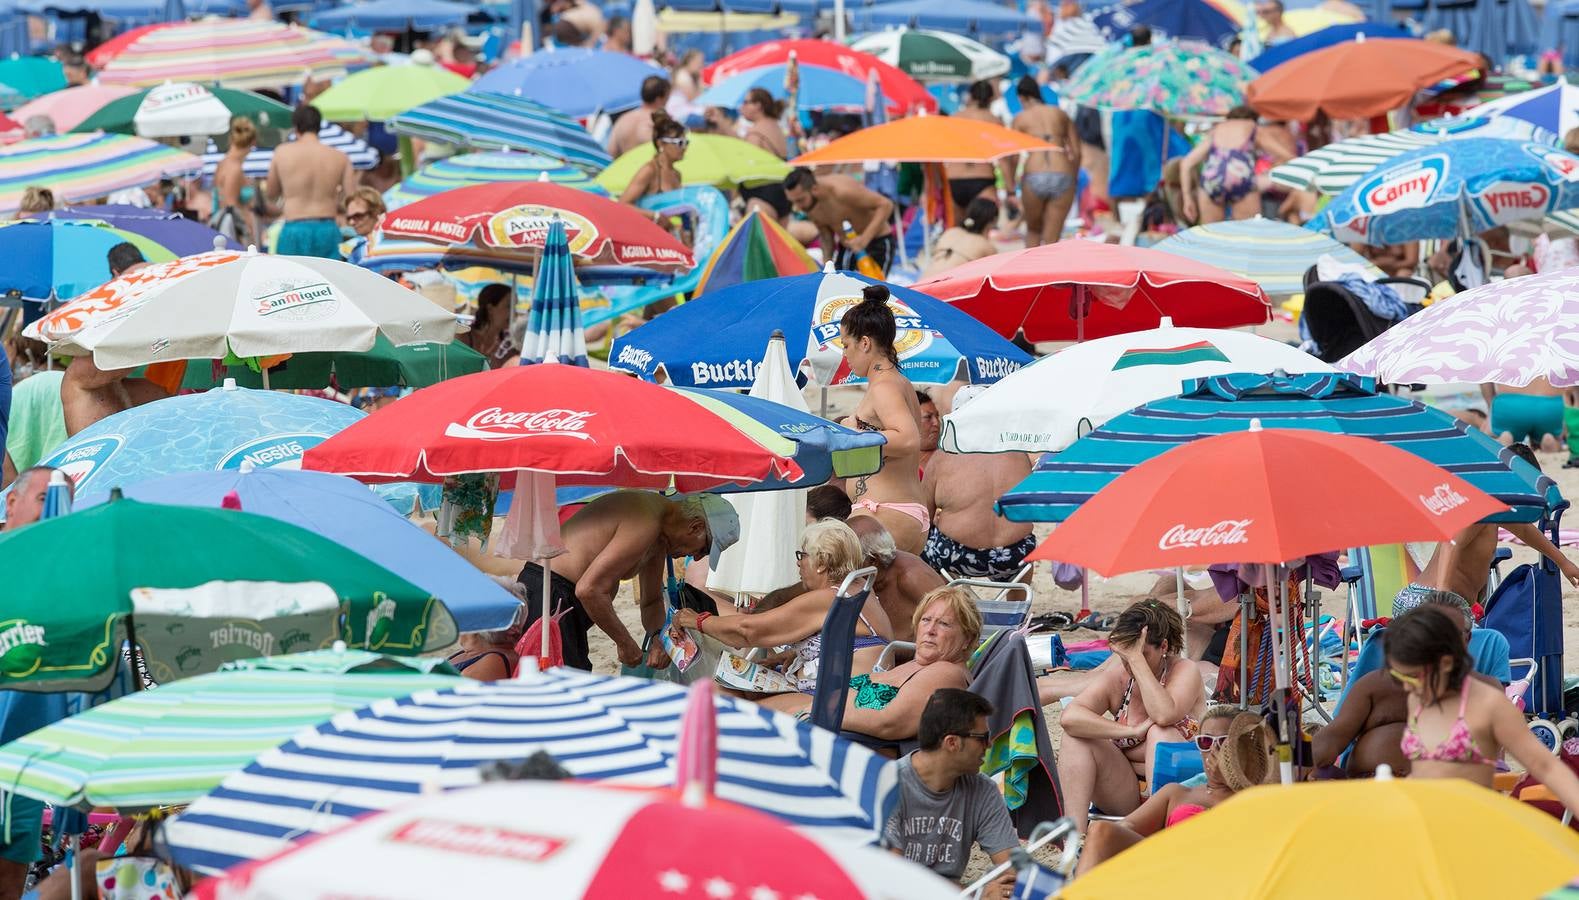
(945, 803)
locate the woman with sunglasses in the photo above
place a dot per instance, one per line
(657, 175)
(1459, 725)
(1233, 746)
(363, 209)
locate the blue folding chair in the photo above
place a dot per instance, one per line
(838, 649)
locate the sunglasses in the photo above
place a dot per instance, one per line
(1402, 678)
(357, 217)
(982, 736)
(801, 555)
(1205, 742)
(678, 142)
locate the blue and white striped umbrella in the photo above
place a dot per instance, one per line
(554, 332)
(620, 730)
(57, 496)
(1336, 403)
(256, 165)
(1272, 253)
(483, 121)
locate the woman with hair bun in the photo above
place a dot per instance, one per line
(657, 175)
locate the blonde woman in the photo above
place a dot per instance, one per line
(234, 194)
(35, 199)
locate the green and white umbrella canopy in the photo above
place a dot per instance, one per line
(934, 55)
(180, 109)
(174, 743)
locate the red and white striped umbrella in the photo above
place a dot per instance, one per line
(562, 840)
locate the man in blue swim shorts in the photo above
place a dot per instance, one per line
(312, 180)
(1532, 415)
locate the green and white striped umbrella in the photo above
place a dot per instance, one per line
(180, 109)
(934, 55)
(171, 744)
(1333, 168)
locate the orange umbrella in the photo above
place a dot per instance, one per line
(925, 139)
(1356, 80)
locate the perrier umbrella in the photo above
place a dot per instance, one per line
(69, 600)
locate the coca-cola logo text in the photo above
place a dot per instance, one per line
(495, 424)
(1442, 500)
(1224, 533)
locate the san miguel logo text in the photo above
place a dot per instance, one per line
(1443, 500)
(294, 298)
(495, 424)
(1224, 533)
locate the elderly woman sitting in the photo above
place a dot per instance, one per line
(828, 552)
(490, 655)
(888, 704)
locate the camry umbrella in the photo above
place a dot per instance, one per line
(1073, 290)
(1356, 80)
(1337, 166)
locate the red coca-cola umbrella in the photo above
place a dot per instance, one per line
(516, 217)
(905, 94)
(1073, 290)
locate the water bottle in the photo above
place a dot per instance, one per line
(863, 263)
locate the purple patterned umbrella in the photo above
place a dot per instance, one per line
(1508, 332)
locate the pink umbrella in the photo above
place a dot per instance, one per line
(696, 760)
(1508, 332)
(68, 108)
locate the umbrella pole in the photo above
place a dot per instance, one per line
(1247, 601)
(74, 843)
(822, 409)
(1184, 608)
(265, 377)
(547, 576)
(1080, 313)
(1276, 599)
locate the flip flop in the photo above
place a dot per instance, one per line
(1096, 622)
(1053, 621)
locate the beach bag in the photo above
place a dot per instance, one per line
(1527, 609)
(137, 878)
(531, 643)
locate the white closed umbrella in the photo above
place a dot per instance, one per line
(644, 28)
(1045, 406)
(770, 521)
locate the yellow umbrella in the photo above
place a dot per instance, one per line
(1299, 21)
(719, 160)
(1387, 838)
(674, 21)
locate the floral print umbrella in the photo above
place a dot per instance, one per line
(1179, 80)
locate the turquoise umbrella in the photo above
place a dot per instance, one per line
(486, 168)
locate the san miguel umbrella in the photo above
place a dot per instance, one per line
(904, 93)
(479, 120)
(1272, 253)
(180, 109)
(486, 168)
(722, 161)
(936, 56)
(170, 746)
(1074, 290)
(1368, 77)
(1334, 403)
(620, 731)
(1461, 187)
(74, 646)
(1508, 332)
(80, 167)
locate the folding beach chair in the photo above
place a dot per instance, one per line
(838, 649)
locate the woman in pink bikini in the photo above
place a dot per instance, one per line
(893, 494)
(1458, 725)
(1233, 745)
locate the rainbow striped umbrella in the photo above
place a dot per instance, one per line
(80, 167)
(485, 168)
(234, 53)
(756, 248)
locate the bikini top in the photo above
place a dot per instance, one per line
(1183, 811)
(1458, 747)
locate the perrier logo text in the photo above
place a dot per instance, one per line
(19, 647)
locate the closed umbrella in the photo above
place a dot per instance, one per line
(553, 332)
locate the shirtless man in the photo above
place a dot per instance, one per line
(1049, 179)
(931, 428)
(627, 534)
(1459, 567)
(634, 129)
(831, 200)
(902, 578)
(1531, 414)
(310, 179)
(968, 538)
(893, 493)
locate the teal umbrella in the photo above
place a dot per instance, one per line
(480, 168)
(32, 76)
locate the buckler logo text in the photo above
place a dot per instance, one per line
(1443, 499)
(634, 356)
(1224, 533)
(494, 424)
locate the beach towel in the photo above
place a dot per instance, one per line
(1020, 747)
(1135, 165)
(1262, 680)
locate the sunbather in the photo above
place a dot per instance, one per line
(1155, 696)
(888, 704)
(1233, 747)
(828, 552)
(903, 579)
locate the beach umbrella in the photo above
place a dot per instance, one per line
(903, 92)
(32, 76)
(56, 646)
(922, 138)
(1341, 33)
(171, 745)
(69, 106)
(1554, 108)
(1335, 403)
(257, 162)
(57, 258)
(101, 55)
(487, 168)
(1272, 253)
(171, 231)
(349, 514)
(1036, 410)
(716, 340)
(1337, 166)
(233, 53)
(722, 161)
(757, 247)
(1417, 837)
(937, 56)
(974, 16)
(277, 305)
(383, 92)
(712, 848)
(1508, 332)
(1355, 80)
(576, 81)
(553, 331)
(482, 121)
(515, 217)
(80, 167)
(821, 449)
(1457, 188)
(180, 109)
(386, 365)
(1183, 80)
(622, 731)
(1177, 20)
(816, 88)
(400, 15)
(1074, 290)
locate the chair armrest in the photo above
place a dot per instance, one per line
(891, 654)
